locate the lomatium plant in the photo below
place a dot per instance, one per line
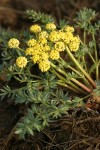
(64, 59)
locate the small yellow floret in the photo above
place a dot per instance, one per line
(13, 43)
(46, 48)
(29, 51)
(44, 65)
(37, 48)
(42, 41)
(62, 35)
(43, 34)
(35, 58)
(68, 37)
(35, 28)
(69, 29)
(21, 62)
(43, 56)
(74, 44)
(31, 42)
(59, 46)
(50, 26)
(54, 54)
(54, 36)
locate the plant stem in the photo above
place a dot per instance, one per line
(96, 58)
(64, 80)
(84, 79)
(68, 87)
(84, 36)
(80, 67)
(92, 57)
(83, 59)
(77, 72)
(81, 85)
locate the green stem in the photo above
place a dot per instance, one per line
(81, 85)
(77, 72)
(84, 79)
(79, 66)
(64, 80)
(96, 58)
(83, 59)
(92, 57)
(20, 49)
(86, 96)
(84, 36)
(68, 87)
(89, 53)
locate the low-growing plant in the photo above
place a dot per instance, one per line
(47, 57)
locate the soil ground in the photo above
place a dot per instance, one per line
(78, 131)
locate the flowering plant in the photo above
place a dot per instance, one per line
(44, 48)
(62, 58)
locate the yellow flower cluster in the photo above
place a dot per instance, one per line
(68, 37)
(68, 29)
(43, 34)
(31, 42)
(35, 28)
(35, 58)
(43, 41)
(44, 65)
(46, 45)
(29, 51)
(13, 43)
(59, 46)
(50, 26)
(74, 44)
(54, 55)
(21, 62)
(54, 36)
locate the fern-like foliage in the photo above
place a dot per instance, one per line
(39, 17)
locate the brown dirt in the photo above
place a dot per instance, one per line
(78, 131)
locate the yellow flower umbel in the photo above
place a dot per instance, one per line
(43, 56)
(35, 58)
(59, 46)
(35, 28)
(29, 51)
(46, 48)
(68, 37)
(54, 36)
(50, 26)
(13, 43)
(74, 44)
(54, 55)
(31, 42)
(43, 34)
(42, 41)
(44, 65)
(68, 29)
(21, 62)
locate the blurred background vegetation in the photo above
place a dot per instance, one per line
(12, 11)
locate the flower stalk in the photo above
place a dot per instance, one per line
(69, 82)
(79, 66)
(96, 58)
